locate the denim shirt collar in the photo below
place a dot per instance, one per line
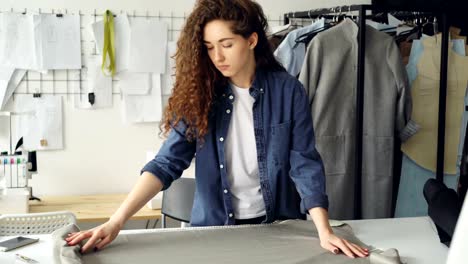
(255, 89)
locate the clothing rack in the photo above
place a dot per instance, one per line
(362, 15)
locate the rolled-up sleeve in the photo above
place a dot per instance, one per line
(174, 156)
(307, 170)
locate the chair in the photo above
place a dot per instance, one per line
(34, 223)
(177, 201)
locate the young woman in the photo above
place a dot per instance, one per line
(249, 124)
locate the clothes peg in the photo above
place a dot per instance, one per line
(44, 143)
(91, 98)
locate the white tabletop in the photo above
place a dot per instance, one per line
(415, 238)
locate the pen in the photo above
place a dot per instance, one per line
(12, 161)
(26, 259)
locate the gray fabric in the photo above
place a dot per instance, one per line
(288, 242)
(385, 257)
(329, 76)
(61, 251)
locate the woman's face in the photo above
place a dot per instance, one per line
(230, 53)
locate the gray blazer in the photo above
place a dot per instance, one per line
(329, 76)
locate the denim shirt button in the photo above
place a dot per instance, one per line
(221, 166)
(225, 191)
(228, 111)
(231, 215)
(231, 97)
(221, 139)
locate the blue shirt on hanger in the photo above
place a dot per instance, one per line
(291, 54)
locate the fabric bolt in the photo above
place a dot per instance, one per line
(63, 253)
(290, 171)
(425, 94)
(410, 201)
(291, 54)
(329, 76)
(287, 242)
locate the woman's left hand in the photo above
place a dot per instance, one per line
(336, 245)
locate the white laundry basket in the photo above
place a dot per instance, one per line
(34, 223)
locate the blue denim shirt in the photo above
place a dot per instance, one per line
(291, 172)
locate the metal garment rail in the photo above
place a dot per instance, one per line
(362, 9)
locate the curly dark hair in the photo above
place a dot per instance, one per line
(196, 78)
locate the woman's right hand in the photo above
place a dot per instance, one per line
(99, 236)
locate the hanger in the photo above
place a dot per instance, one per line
(307, 37)
(430, 27)
(283, 31)
(350, 15)
(417, 29)
(340, 17)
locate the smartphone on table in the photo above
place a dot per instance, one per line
(16, 242)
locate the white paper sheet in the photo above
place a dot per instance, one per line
(18, 47)
(60, 46)
(5, 76)
(144, 108)
(15, 79)
(168, 78)
(131, 83)
(148, 44)
(97, 83)
(122, 40)
(40, 121)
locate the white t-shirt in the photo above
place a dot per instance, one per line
(241, 158)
